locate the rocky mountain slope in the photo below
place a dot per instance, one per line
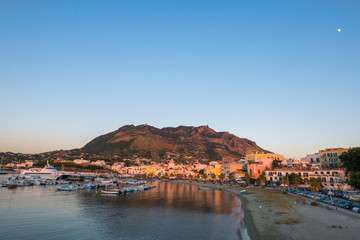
(181, 143)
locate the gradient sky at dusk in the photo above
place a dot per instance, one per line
(276, 72)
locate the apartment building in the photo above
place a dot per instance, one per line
(330, 157)
(331, 179)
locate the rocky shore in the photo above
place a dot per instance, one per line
(270, 214)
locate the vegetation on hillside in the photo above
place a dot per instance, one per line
(183, 144)
(351, 161)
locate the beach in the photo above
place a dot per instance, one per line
(270, 214)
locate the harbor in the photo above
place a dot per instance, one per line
(168, 211)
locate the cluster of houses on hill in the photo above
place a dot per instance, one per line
(325, 165)
(272, 168)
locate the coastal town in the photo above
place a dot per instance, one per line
(256, 167)
(259, 179)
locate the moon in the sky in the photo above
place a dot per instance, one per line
(339, 30)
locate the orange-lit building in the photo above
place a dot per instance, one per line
(255, 170)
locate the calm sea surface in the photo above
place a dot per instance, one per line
(170, 211)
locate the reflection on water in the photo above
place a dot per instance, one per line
(170, 211)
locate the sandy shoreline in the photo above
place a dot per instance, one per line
(269, 214)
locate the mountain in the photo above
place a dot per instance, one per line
(181, 143)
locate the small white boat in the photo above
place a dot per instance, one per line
(204, 188)
(243, 191)
(110, 192)
(67, 188)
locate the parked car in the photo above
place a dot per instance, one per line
(355, 198)
(348, 205)
(356, 209)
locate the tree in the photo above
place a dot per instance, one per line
(151, 175)
(222, 176)
(351, 161)
(340, 185)
(315, 184)
(277, 164)
(355, 179)
(285, 181)
(231, 176)
(295, 180)
(204, 176)
(261, 179)
(246, 178)
(213, 176)
(159, 174)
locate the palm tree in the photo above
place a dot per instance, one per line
(315, 184)
(286, 182)
(231, 176)
(295, 181)
(197, 176)
(261, 179)
(204, 176)
(246, 178)
(222, 176)
(213, 176)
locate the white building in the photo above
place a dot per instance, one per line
(117, 166)
(312, 159)
(100, 163)
(81, 161)
(331, 179)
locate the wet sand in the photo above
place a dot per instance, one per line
(270, 214)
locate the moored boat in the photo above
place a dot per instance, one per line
(67, 188)
(110, 192)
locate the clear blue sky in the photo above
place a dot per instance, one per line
(276, 72)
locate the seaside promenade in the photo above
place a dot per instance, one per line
(270, 214)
